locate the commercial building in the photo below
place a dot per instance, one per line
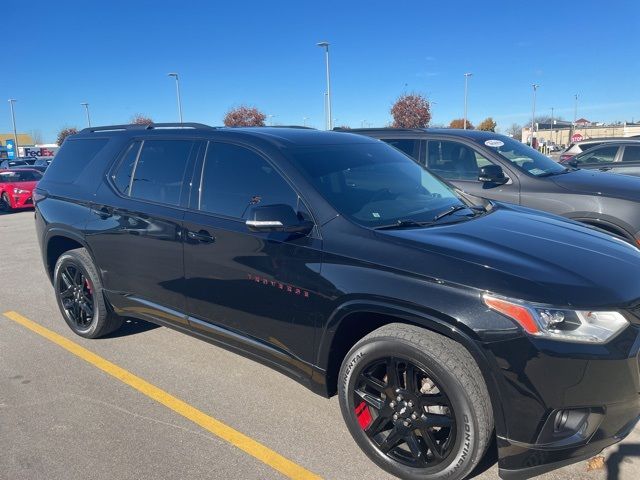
(564, 133)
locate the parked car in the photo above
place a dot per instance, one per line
(13, 163)
(39, 168)
(16, 188)
(436, 316)
(576, 148)
(617, 157)
(43, 162)
(500, 168)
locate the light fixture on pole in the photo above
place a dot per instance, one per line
(175, 75)
(329, 124)
(86, 108)
(533, 114)
(15, 132)
(466, 79)
(271, 119)
(304, 121)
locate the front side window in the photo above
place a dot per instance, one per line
(158, 174)
(523, 156)
(373, 184)
(598, 155)
(631, 153)
(454, 160)
(235, 178)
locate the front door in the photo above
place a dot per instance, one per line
(254, 289)
(458, 163)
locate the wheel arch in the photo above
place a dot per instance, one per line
(608, 224)
(354, 320)
(59, 241)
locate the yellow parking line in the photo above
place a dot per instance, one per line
(235, 438)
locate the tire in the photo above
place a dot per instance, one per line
(5, 202)
(442, 426)
(80, 297)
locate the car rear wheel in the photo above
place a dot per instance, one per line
(5, 202)
(416, 403)
(80, 297)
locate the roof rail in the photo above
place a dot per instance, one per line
(151, 126)
(341, 129)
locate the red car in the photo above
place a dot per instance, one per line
(16, 187)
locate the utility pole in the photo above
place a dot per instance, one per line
(466, 78)
(86, 107)
(15, 132)
(533, 114)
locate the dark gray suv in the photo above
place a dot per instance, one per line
(497, 167)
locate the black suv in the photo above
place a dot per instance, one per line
(500, 168)
(441, 320)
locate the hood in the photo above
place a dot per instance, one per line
(527, 255)
(594, 182)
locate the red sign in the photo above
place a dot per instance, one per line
(576, 137)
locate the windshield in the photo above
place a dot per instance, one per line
(374, 184)
(20, 176)
(523, 156)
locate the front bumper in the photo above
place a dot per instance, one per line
(24, 200)
(540, 382)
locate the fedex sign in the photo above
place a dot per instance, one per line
(39, 152)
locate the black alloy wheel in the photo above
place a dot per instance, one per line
(404, 412)
(76, 295)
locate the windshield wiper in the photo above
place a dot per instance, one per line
(403, 223)
(453, 209)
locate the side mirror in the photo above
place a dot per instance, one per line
(574, 163)
(492, 174)
(277, 218)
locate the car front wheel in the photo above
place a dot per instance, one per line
(416, 403)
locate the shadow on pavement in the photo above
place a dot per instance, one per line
(132, 326)
(615, 459)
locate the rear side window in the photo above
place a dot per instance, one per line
(73, 158)
(631, 154)
(408, 146)
(235, 178)
(123, 175)
(154, 170)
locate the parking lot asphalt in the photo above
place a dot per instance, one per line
(62, 416)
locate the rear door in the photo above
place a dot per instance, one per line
(459, 163)
(255, 290)
(628, 161)
(136, 227)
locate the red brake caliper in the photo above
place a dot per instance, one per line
(364, 415)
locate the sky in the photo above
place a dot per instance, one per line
(116, 55)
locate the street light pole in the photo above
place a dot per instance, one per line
(15, 132)
(466, 78)
(329, 118)
(533, 114)
(271, 119)
(175, 75)
(86, 107)
(551, 132)
(304, 121)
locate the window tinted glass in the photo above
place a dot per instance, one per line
(372, 183)
(73, 158)
(122, 176)
(159, 172)
(235, 178)
(408, 146)
(587, 146)
(631, 153)
(453, 160)
(598, 155)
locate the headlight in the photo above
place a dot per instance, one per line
(580, 326)
(19, 191)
